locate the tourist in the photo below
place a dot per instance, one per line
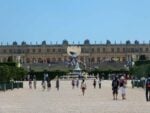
(122, 84)
(133, 82)
(45, 76)
(147, 86)
(77, 83)
(34, 81)
(94, 83)
(48, 84)
(30, 83)
(43, 84)
(73, 83)
(57, 83)
(83, 86)
(99, 83)
(115, 85)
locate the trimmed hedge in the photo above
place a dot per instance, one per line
(8, 64)
(141, 62)
(52, 74)
(107, 72)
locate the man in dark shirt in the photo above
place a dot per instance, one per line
(147, 88)
(115, 84)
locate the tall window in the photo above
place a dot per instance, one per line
(53, 50)
(112, 50)
(4, 51)
(141, 49)
(48, 50)
(124, 50)
(59, 50)
(104, 50)
(28, 50)
(118, 50)
(92, 50)
(10, 50)
(39, 50)
(146, 49)
(98, 50)
(33, 50)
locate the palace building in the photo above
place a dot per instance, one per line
(90, 53)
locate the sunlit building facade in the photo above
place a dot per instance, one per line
(90, 53)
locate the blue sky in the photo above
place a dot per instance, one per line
(74, 20)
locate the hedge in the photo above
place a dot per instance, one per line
(141, 62)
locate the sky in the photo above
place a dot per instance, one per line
(74, 20)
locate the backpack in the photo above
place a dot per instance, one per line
(148, 83)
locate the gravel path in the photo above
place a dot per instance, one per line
(68, 100)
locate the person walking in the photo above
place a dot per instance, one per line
(34, 81)
(99, 83)
(147, 88)
(115, 85)
(94, 83)
(48, 84)
(77, 83)
(83, 87)
(73, 83)
(57, 83)
(30, 83)
(43, 84)
(122, 84)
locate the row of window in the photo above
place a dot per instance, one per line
(32, 51)
(82, 59)
(118, 50)
(83, 50)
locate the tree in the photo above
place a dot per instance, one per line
(4, 73)
(140, 71)
(9, 72)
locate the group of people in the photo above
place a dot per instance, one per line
(75, 82)
(46, 82)
(30, 81)
(95, 82)
(119, 84)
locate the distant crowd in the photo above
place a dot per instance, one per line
(119, 84)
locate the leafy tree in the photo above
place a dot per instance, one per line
(4, 73)
(140, 71)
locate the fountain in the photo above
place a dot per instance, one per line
(74, 52)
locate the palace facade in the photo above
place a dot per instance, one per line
(90, 53)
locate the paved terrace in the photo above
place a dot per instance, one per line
(67, 100)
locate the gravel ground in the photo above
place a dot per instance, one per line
(68, 100)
